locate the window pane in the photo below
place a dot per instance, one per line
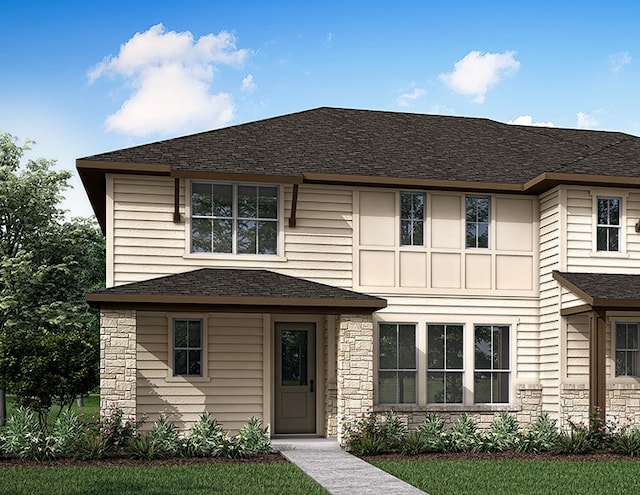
(482, 208)
(632, 336)
(200, 235)
(500, 385)
(613, 239)
(222, 235)
(435, 387)
(387, 387)
(407, 347)
(621, 363)
(435, 347)
(602, 241)
(388, 347)
(482, 388)
(483, 235)
(180, 334)
(247, 202)
(406, 387)
(500, 348)
(267, 237)
(201, 199)
(246, 238)
(268, 202)
(294, 345)
(180, 362)
(418, 233)
(454, 347)
(405, 205)
(405, 232)
(222, 200)
(603, 211)
(621, 336)
(194, 334)
(472, 230)
(470, 210)
(614, 212)
(454, 388)
(195, 357)
(483, 347)
(418, 206)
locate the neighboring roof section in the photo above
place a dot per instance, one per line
(603, 290)
(247, 290)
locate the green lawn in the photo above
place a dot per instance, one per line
(517, 477)
(224, 479)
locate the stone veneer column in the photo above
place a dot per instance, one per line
(118, 366)
(354, 367)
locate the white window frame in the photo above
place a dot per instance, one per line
(492, 370)
(235, 218)
(445, 369)
(464, 212)
(616, 349)
(609, 226)
(412, 220)
(414, 370)
(623, 196)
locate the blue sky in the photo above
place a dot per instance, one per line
(82, 77)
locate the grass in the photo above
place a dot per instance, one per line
(521, 477)
(223, 479)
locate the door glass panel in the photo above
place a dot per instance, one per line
(294, 357)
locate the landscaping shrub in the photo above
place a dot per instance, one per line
(464, 436)
(92, 446)
(433, 433)
(627, 442)
(252, 439)
(67, 433)
(504, 434)
(415, 443)
(118, 430)
(373, 433)
(144, 447)
(205, 437)
(164, 434)
(541, 436)
(23, 437)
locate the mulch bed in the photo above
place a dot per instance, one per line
(503, 456)
(122, 461)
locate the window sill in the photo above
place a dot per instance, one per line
(609, 254)
(187, 379)
(472, 408)
(236, 257)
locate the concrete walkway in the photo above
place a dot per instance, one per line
(337, 471)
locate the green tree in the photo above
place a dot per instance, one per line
(46, 263)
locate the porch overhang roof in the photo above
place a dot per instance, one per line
(220, 289)
(604, 291)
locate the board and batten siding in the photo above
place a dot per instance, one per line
(233, 388)
(144, 242)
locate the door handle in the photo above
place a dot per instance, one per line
(311, 382)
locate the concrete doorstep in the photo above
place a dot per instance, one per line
(337, 471)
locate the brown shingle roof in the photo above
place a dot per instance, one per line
(610, 290)
(389, 144)
(236, 288)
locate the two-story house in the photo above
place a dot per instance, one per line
(307, 268)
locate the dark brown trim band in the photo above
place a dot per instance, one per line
(237, 177)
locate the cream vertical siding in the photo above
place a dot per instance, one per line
(232, 390)
(147, 243)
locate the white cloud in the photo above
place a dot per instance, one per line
(248, 85)
(405, 99)
(619, 60)
(477, 72)
(586, 121)
(528, 120)
(171, 75)
(328, 42)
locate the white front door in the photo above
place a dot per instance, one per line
(295, 380)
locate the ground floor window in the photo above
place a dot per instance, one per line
(460, 364)
(187, 347)
(396, 363)
(627, 344)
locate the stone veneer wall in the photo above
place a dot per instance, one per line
(622, 403)
(354, 367)
(526, 410)
(330, 390)
(118, 367)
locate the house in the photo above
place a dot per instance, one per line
(309, 267)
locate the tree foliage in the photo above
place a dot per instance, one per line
(48, 334)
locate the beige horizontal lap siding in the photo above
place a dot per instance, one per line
(234, 389)
(549, 350)
(577, 345)
(581, 256)
(147, 243)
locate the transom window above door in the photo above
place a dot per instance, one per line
(234, 218)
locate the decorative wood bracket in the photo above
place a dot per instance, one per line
(294, 206)
(176, 200)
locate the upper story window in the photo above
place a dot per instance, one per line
(608, 224)
(412, 214)
(627, 349)
(234, 218)
(477, 221)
